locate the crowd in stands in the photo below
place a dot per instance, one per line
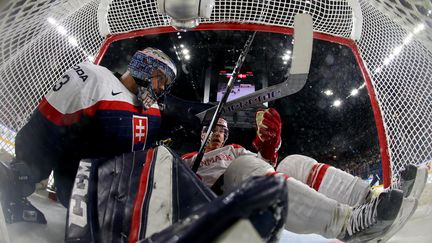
(366, 168)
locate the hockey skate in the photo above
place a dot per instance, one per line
(413, 180)
(373, 219)
(15, 206)
(412, 183)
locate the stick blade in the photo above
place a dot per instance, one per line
(303, 38)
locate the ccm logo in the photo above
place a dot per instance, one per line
(252, 101)
(78, 202)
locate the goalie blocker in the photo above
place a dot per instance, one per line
(134, 196)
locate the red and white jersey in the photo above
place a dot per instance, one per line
(88, 113)
(215, 162)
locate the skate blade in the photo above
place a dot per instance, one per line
(420, 182)
(409, 205)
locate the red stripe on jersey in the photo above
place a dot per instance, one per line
(276, 173)
(236, 145)
(316, 175)
(189, 155)
(139, 199)
(60, 119)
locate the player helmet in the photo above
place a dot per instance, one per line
(221, 123)
(142, 68)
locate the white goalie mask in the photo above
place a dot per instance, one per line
(154, 73)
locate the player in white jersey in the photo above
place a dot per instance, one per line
(321, 199)
(89, 113)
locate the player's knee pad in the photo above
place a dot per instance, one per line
(297, 166)
(343, 187)
(244, 167)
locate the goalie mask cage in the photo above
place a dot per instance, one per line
(391, 39)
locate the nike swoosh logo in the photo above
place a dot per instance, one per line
(114, 94)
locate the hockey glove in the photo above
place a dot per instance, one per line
(268, 139)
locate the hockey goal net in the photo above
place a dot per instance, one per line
(40, 39)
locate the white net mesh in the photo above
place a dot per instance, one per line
(39, 39)
(400, 67)
(333, 17)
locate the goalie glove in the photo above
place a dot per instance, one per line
(268, 138)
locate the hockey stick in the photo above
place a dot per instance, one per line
(218, 109)
(302, 54)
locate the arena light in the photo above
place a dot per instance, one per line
(185, 51)
(73, 41)
(354, 92)
(408, 39)
(419, 28)
(286, 57)
(328, 92)
(52, 21)
(397, 50)
(337, 103)
(185, 14)
(61, 30)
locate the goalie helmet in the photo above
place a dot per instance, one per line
(149, 64)
(220, 123)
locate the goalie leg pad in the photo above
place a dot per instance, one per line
(255, 198)
(142, 185)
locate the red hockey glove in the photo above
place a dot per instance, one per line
(268, 139)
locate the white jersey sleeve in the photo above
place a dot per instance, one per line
(84, 85)
(214, 163)
(76, 89)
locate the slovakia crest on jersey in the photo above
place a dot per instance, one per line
(139, 132)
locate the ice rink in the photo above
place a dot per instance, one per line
(417, 229)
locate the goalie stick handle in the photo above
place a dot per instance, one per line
(293, 84)
(302, 54)
(217, 113)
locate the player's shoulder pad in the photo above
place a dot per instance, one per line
(79, 87)
(189, 155)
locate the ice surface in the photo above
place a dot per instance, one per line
(418, 229)
(53, 231)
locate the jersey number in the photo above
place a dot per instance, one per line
(61, 82)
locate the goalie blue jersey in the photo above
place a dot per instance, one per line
(88, 113)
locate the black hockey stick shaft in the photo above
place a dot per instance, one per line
(302, 54)
(221, 104)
